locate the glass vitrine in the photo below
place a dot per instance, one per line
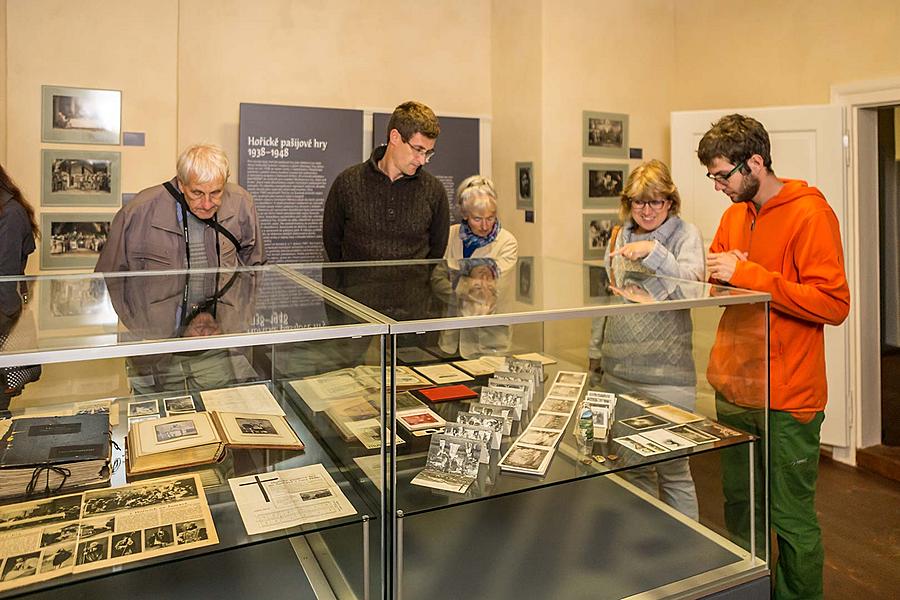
(156, 350)
(667, 499)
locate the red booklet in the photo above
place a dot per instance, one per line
(448, 392)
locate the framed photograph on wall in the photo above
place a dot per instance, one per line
(604, 134)
(70, 303)
(602, 185)
(73, 240)
(597, 229)
(80, 115)
(525, 280)
(524, 186)
(80, 178)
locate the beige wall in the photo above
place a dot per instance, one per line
(128, 46)
(349, 54)
(3, 82)
(613, 57)
(779, 52)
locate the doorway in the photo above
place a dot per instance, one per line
(889, 270)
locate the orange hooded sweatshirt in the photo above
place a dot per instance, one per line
(795, 254)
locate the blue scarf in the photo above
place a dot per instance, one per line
(472, 242)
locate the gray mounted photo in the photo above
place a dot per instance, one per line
(80, 178)
(80, 115)
(597, 229)
(524, 186)
(602, 184)
(604, 134)
(73, 240)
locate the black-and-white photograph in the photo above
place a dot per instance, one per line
(126, 544)
(63, 556)
(256, 426)
(143, 408)
(716, 429)
(72, 241)
(539, 437)
(97, 527)
(23, 565)
(176, 430)
(566, 392)
(99, 502)
(503, 397)
(525, 457)
(644, 422)
(158, 537)
(596, 283)
(179, 404)
(454, 455)
(471, 432)
(80, 115)
(553, 405)
(190, 532)
(603, 184)
(80, 178)
(694, 435)
(471, 418)
(51, 510)
(67, 532)
(93, 551)
(544, 420)
(570, 378)
(308, 495)
(605, 134)
(597, 232)
(524, 186)
(639, 400)
(490, 410)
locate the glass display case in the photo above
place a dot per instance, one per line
(148, 348)
(632, 512)
(554, 430)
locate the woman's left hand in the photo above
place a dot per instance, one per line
(635, 250)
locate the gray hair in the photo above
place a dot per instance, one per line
(476, 192)
(203, 163)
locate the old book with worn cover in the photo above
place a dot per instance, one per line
(40, 454)
(249, 430)
(173, 442)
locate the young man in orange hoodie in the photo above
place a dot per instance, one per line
(780, 237)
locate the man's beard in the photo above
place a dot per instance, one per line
(749, 188)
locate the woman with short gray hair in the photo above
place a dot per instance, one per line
(480, 235)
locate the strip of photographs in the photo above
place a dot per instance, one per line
(667, 428)
(48, 538)
(454, 456)
(532, 451)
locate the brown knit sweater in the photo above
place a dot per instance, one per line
(369, 217)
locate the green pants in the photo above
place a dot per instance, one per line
(793, 469)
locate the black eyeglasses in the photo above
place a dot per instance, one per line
(655, 204)
(428, 154)
(719, 178)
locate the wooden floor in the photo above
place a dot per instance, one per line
(859, 513)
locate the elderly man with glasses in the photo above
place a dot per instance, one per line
(388, 208)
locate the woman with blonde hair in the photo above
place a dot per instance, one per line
(652, 353)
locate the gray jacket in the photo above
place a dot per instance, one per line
(146, 235)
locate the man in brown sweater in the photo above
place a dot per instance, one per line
(388, 208)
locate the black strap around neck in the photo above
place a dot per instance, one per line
(213, 222)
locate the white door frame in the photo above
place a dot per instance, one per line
(863, 255)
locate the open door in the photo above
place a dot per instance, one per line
(807, 143)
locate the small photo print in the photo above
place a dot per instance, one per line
(570, 378)
(23, 565)
(97, 527)
(554, 405)
(190, 532)
(641, 445)
(158, 537)
(525, 185)
(716, 429)
(597, 233)
(539, 437)
(548, 421)
(642, 402)
(256, 426)
(566, 392)
(524, 457)
(59, 533)
(179, 404)
(605, 134)
(143, 408)
(80, 115)
(125, 544)
(644, 422)
(694, 435)
(85, 238)
(315, 494)
(176, 430)
(80, 178)
(92, 551)
(58, 558)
